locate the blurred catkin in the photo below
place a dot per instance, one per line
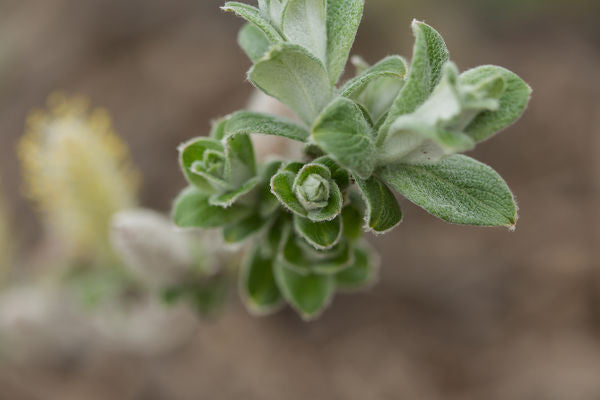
(77, 171)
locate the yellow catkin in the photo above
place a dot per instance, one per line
(76, 170)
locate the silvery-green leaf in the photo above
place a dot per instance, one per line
(253, 15)
(257, 284)
(458, 189)
(298, 79)
(192, 210)
(304, 24)
(309, 294)
(391, 66)
(281, 187)
(192, 151)
(362, 273)
(429, 55)
(383, 212)
(251, 122)
(343, 18)
(338, 174)
(240, 163)
(343, 132)
(253, 41)
(513, 101)
(228, 198)
(322, 235)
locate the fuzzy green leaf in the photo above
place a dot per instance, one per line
(193, 210)
(253, 15)
(298, 79)
(322, 235)
(429, 55)
(242, 230)
(307, 294)
(513, 101)
(391, 66)
(383, 211)
(361, 274)
(257, 284)
(253, 41)
(251, 122)
(343, 18)
(343, 132)
(458, 189)
(297, 254)
(304, 24)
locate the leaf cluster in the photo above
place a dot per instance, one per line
(393, 129)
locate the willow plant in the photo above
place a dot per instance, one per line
(394, 128)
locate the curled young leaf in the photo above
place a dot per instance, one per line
(512, 102)
(436, 128)
(225, 171)
(203, 152)
(458, 189)
(310, 192)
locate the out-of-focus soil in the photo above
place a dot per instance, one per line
(459, 312)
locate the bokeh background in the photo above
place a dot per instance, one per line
(459, 312)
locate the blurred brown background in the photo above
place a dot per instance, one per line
(459, 313)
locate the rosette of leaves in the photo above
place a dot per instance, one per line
(396, 128)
